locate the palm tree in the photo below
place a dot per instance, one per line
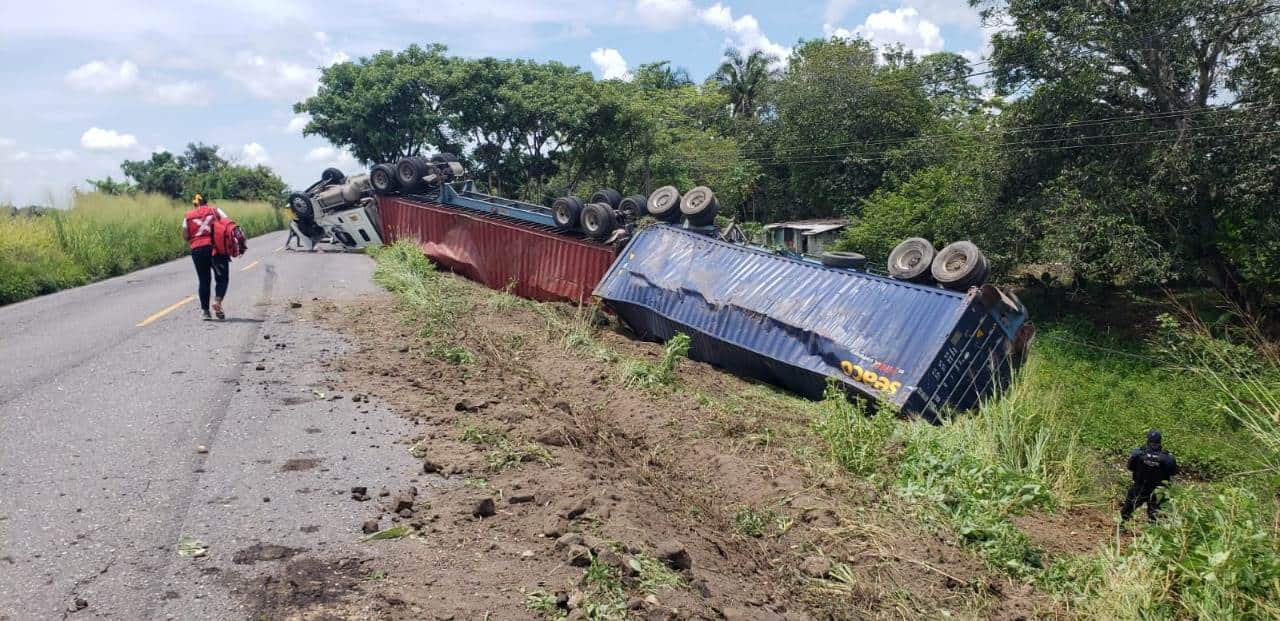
(744, 78)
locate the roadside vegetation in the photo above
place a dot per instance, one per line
(101, 236)
(996, 481)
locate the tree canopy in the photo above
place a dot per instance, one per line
(199, 169)
(1127, 144)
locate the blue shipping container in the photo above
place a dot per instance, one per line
(795, 323)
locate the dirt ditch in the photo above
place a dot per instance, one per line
(551, 489)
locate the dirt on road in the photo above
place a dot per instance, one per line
(564, 476)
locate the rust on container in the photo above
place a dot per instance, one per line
(535, 263)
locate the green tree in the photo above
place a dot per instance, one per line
(200, 169)
(745, 79)
(1146, 86)
(385, 106)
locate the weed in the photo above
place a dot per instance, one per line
(475, 434)
(507, 454)
(855, 440)
(455, 354)
(644, 374)
(653, 574)
(753, 523)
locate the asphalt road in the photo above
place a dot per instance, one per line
(107, 390)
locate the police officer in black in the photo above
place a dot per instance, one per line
(1152, 467)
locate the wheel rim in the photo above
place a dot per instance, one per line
(591, 222)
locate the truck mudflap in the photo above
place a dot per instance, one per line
(796, 324)
(529, 261)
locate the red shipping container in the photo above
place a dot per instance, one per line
(536, 264)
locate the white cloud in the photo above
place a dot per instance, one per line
(744, 32)
(181, 93)
(104, 76)
(7, 143)
(904, 26)
(96, 139)
(663, 14)
(297, 124)
(611, 64)
(271, 78)
(254, 154)
(328, 156)
(955, 12)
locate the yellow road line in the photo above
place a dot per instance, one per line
(166, 311)
(246, 268)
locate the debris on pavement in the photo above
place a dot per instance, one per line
(395, 532)
(192, 547)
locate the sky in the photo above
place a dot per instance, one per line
(93, 83)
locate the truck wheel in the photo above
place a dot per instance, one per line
(699, 206)
(845, 260)
(301, 205)
(383, 179)
(567, 211)
(608, 196)
(664, 203)
(597, 220)
(333, 175)
(911, 259)
(632, 207)
(444, 157)
(959, 266)
(410, 171)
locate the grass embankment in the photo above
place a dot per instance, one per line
(1048, 451)
(102, 236)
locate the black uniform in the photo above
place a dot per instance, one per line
(1151, 467)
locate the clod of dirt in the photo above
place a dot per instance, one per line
(567, 540)
(77, 605)
(520, 498)
(553, 437)
(555, 526)
(470, 405)
(260, 368)
(431, 467)
(483, 508)
(202, 449)
(405, 513)
(402, 503)
(383, 492)
(295, 304)
(263, 552)
(815, 567)
(579, 555)
(578, 508)
(674, 554)
(610, 558)
(563, 406)
(369, 527)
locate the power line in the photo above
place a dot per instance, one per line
(1014, 130)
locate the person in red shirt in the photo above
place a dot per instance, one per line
(197, 229)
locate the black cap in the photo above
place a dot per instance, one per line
(1153, 437)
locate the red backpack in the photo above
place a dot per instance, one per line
(228, 239)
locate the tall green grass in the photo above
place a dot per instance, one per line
(102, 236)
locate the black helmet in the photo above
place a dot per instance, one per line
(1153, 437)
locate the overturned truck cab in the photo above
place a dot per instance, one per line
(795, 323)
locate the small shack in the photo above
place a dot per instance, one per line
(805, 236)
